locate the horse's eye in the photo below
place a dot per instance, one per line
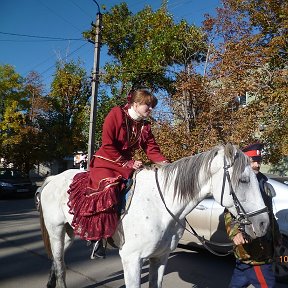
(244, 180)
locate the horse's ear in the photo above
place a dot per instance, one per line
(229, 151)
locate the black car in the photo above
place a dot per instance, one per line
(14, 183)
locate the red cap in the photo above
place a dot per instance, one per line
(254, 151)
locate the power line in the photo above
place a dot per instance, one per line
(42, 37)
(71, 24)
(31, 41)
(80, 8)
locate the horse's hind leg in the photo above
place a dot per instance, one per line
(58, 269)
(156, 271)
(68, 240)
(69, 236)
(52, 277)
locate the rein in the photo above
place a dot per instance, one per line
(192, 232)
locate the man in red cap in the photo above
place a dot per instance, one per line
(254, 152)
(254, 257)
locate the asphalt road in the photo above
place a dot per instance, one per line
(23, 261)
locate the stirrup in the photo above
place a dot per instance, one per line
(95, 247)
(98, 245)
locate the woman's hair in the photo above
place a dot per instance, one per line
(142, 96)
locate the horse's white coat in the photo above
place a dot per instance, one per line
(147, 231)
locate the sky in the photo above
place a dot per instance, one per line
(66, 20)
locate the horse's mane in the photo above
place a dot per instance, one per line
(186, 170)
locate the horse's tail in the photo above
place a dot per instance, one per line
(45, 235)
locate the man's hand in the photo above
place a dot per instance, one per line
(239, 239)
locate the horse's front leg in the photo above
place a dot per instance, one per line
(156, 270)
(132, 266)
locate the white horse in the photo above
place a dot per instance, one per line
(154, 223)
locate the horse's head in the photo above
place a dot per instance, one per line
(235, 186)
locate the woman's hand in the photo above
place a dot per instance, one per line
(137, 164)
(134, 164)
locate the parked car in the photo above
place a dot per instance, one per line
(207, 219)
(282, 179)
(14, 183)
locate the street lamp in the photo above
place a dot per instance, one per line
(95, 84)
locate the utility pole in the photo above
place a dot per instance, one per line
(95, 84)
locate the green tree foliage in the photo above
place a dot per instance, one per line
(20, 137)
(10, 85)
(12, 117)
(37, 128)
(146, 46)
(67, 121)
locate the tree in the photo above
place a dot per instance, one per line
(247, 59)
(10, 84)
(271, 19)
(252, 59)
(37, 128)
(66, 128)
(20, 135)
(240, 64)
(34, 91)
(146, 46)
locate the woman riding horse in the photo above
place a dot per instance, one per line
(94, 194)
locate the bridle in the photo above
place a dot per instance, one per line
(242, 216)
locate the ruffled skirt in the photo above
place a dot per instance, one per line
(95, 210)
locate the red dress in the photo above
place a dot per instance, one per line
(93, 195)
